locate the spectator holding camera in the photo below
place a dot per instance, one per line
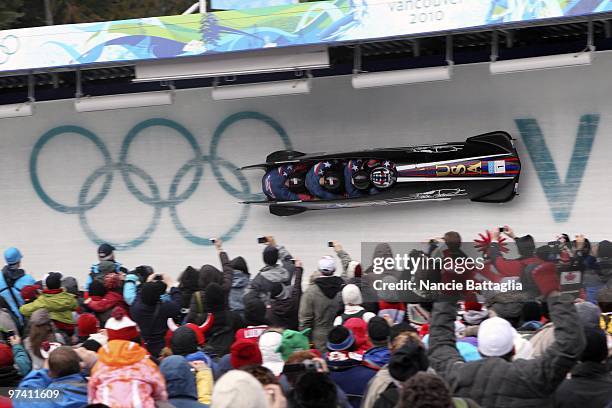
(496, 380)
(262, 284)
(151, 313)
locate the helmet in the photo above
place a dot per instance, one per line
(360, 180)
(382, 177)
(332, 181)
(296, 184)
(12, 255)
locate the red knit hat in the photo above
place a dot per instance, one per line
(120, 326)
(244, 352)
(471, 302)
(6, 355)
(30, 292)
(87, 324)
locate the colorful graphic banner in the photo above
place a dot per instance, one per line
(323, 22)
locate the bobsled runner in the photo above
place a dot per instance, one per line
(484, 168)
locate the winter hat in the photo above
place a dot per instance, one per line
(12, 255)
(270, 255)
(596, 349)
(30, 292)
(6, 355)
(268, 344)
(120, 326)
(327, 265)
(40, 317)
(495, 337)
(588, 313)
(254, 311)
(214, 299)
(105, 252)
(112, 281)
(244, 352)
(95, 341)
(239, 264)
(359, 329)
(91, 345)
(53, 280)
(152, 291)
(604, 249)
(71, 285)
(293, 341)
(314, 389)
(471, 303)
(339, 339)
(96, 288)
(351, 295)
(238, 389)
(407, 361)
(87, 324)
(378, 330)
(105, 267)
(184, 341)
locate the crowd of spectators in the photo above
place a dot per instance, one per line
(227, 336)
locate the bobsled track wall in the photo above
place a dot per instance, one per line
(63, 189)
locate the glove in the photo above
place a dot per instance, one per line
(546, 278)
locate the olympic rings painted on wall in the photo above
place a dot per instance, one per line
(153, 197)
(9, 45)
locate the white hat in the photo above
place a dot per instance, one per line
(495, 337)
(238, 389)
(351, 295)
(268, 343)
(327, 265)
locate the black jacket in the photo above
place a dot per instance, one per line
(152, 320)
(495, 382)
(590, 386)
(283, 311)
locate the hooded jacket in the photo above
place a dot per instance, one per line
(284, 309)
(589, 386)
(125, 376)
(318, 308)
(103, 305)
(240, 282)
(58, 302)
(11, 283)
(376, 387)
(261, 284)
(73, 390)
(152, 320)
(377, 357)
(181, 383)
(496, 382)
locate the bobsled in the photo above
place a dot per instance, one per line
(484, 168)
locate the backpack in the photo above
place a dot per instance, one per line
(95, 273)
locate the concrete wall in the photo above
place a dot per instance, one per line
(56, 209)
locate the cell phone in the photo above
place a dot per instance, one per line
(330, 244)
(212, 240)
(262, 240)
(501, 229)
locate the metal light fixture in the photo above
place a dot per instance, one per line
(291, 87)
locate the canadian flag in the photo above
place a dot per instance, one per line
(570, 278)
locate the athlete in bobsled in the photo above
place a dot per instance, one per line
(286, 183)
(324, 180)
(368, 177)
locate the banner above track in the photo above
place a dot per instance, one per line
(323, 22)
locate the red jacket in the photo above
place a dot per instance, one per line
(101, 304)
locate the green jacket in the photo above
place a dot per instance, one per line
(59, 305)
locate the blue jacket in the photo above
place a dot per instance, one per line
(130, 288)
(351, 376)
(312, 182)
(19, 279)
(180, 383)
(273, 184)
(73, 390)
(377, 357)
(22, 359)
